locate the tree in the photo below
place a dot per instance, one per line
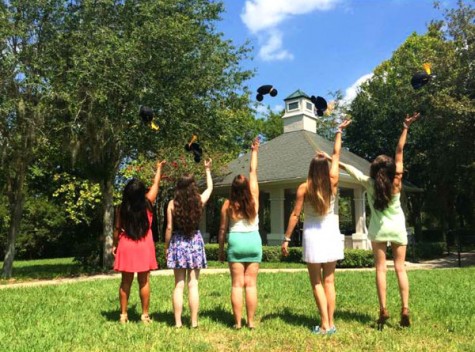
(440, 150)
(25, 29)
(113, 56)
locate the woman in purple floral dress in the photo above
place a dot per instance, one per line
(183, 241)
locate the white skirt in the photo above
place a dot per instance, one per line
(322, 241)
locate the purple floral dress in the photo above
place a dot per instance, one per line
(186, 252)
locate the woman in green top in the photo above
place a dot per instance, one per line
(387, 222)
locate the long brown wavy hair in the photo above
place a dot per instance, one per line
(319, 188)
(133, 210)
(383, 171)
(187, 205)
(240, 200)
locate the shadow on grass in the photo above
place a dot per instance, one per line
(290, 318)
(219, 315)
(304, 320)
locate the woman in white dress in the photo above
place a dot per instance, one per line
(322, 241)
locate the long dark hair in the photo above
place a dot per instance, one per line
(133, 210)
(187, 205)
(319, 188)
(383, 171)
(240, 200)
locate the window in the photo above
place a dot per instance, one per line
(293, 106)
(309, 106)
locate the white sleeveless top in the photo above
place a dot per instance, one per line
(244, 225)
(310, 212)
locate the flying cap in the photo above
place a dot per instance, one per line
(265, 89)
(420, 79)
(147, 115)
(320, 104)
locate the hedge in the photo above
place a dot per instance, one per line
(354, 258)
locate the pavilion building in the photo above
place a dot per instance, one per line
(283, 166)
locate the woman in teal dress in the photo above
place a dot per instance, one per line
(239, 216)
(387, 223)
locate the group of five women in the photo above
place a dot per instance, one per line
(322, 243)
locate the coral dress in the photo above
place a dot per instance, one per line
(136, 256)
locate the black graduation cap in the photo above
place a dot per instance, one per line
(147, 115)
(320, 104)
(265, 89)
(420, 79)
(195, 148)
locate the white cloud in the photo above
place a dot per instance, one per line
(352, 91)
(264, 16)
(272, 49)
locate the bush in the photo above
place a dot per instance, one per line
(433, 235)
(430, 250)
(354, 258)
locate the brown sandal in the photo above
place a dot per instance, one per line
(383, 316)
(405, 321)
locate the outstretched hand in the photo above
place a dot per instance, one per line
(160, 164)
(255, 144)
(410, 119)
(208, 163)
(344, 124)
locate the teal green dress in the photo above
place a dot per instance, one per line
(388, 225)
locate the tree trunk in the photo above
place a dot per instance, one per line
(108, 222)
(16, 210)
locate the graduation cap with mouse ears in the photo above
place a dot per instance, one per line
(265, 89)
(147, 115)
(320, 104)
(194, 147)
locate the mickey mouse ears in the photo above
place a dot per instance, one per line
(320, 104)
(265, 89)
(194, 147)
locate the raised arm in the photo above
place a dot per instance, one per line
(294, 217)
(253, 172)
(402, 141)
(334, 169)
(209, 182)
(223, 228)
(153, 191)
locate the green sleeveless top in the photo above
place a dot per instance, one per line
(388, 225)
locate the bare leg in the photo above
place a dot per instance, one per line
(379, 252)
(250, 282)
(399, 254)
(315, 274)
(329, 287)
(237, 278)
(193, 295)
(180, 275)
(144, 289)
(124, 291)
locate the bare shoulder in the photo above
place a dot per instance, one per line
(302, 188)
(225, 204)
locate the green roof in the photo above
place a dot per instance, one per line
(286, 158)
(297, 94)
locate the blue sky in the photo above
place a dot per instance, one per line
(321, 46)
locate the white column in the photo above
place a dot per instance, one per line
(202, 227)
(360, 237)
(277, 197)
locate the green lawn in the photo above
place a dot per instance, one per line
(47, 269)
(83, 316)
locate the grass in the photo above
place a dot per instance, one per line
(47, 269)
(83, 316)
